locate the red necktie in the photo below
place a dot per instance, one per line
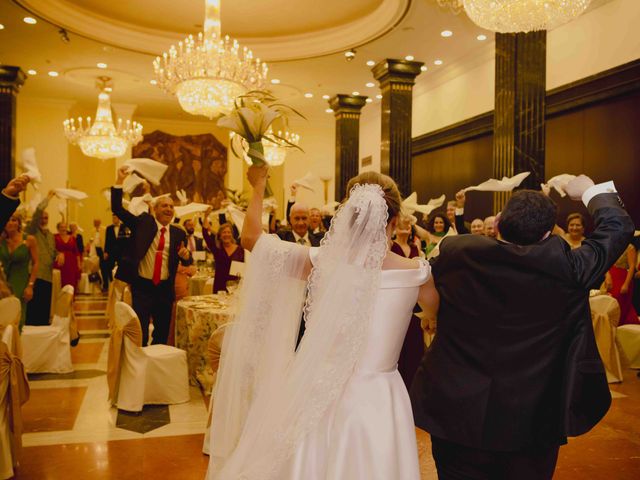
(157, 267)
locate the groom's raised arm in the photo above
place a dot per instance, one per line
(613, 232)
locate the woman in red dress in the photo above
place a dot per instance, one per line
(619, 283)
(68, 259)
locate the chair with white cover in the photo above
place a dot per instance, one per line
(214, 348)
(9, 324)
(118, 291)
(605, 315)
(139, 376)
(628, 338)
(47, 349)
(14, 392)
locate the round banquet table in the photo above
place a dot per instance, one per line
(198, 284)
(196, 319)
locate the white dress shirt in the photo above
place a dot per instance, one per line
(145, 269)
(589, 193)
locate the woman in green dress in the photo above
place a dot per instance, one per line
(19, 258)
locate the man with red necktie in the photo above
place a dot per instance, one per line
(154, 250)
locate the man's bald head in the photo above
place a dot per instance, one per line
(299, 218)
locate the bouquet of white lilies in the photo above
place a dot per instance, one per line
(251, 120)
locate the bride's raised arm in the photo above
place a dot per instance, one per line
(252, 227)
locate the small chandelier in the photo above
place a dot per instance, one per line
(207, 73)
(274, 154)
(454, 5)
(512, 16)
(102, 139)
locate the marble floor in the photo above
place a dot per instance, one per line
(71, 431)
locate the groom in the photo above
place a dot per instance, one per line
(514, 367)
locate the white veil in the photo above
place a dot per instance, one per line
(267, 397)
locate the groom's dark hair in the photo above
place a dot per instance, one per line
(526, 217)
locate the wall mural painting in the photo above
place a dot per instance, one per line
(197, 165)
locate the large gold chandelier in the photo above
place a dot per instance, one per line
(101, 138)
(512, 16)
(208, 72)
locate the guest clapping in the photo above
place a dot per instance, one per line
(225, 250)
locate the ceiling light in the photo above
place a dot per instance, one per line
(32, 72)
(1, 26)
(379, 96)
(101, 65)
(370, 84)
(350, 54)
(326, 97)
(409, 58)
(153, 82)
(30, 20)
(481, 37)
(355, 94)
(446, 33)
(437, 62)
(275, 81)
(423, 68)
(53, 74)
(208, 71)
(308, 95)
(368, 100)
(329, 110)
(102, 138)
(370, 63)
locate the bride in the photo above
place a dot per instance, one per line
(337, 407)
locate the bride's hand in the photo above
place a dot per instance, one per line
(257, 176)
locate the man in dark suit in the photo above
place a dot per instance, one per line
(514, 367)
(299, 222)
(154, 250)
(194, 244)
(115, 240)
(9, 200)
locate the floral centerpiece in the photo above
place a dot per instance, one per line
(250, 120)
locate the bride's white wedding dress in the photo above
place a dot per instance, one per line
(336, 408)
(369, 432)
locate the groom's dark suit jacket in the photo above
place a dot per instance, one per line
(514, 362)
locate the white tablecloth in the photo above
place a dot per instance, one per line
(196, 319)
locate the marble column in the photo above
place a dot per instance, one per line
(346, 109)
(396, 79)
(11, 79)
(519, 123)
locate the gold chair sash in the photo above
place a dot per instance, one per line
(118, 291)
(214, 349)
(604, 328)
(133, 332)
(18, 394)
(16, 344)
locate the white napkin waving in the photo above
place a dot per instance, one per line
(69, 194)
(505, 185)
(139, 205)
(190, 208)
(306, 181)
(410, 204)
(558, 183)
(131, 182)
(34, 202)
(30, 166)
(148, 168)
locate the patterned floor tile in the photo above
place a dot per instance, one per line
(52, 409)
(151, 417)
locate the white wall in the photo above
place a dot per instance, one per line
(39, 125)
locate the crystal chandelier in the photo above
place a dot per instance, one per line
(102, 139)
(207, 73)
(512, 16)
(274, 154)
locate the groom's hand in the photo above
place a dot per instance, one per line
(576, 187)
